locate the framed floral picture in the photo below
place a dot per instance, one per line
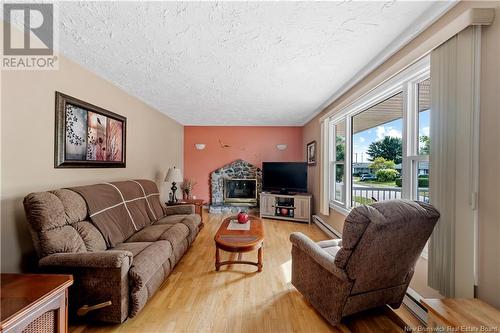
(87, 136)
(311, 153)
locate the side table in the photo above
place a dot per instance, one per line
(34, 302)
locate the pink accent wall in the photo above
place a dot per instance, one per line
(255, 144)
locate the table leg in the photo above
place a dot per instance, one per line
(217, 258)
(259, 262)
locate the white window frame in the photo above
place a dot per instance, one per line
(405, 82)
(333, 162)
(411, 157)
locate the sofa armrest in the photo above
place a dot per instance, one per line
(98, 277)
(179, 210)
(316, 253)
(99, 259)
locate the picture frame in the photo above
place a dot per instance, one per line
(87, 136)
(311, 153)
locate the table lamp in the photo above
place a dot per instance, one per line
(174, 176)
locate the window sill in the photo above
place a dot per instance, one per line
(342, 210)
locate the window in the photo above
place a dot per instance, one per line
(421, 161)
(424, 113)
(338, 163)
(380, 144)
(377, 152)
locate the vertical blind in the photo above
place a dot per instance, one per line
(453, 177)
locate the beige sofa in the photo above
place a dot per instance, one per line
(125, 265)
(371, 266)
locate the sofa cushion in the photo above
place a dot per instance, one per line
(134, 247)
(52, 215)
(171, 219)
(150, 234)
(161, 232)
(152, 195)
(61, 240)
(44, 211)
(150, 267)
(330, 246)
(75, 208)
(90, 235)
(178, 237)
(136, 203)
(332, 250)
(147, 262)
(117, 209)
(192, 221)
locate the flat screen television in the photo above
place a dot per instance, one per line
(284, 177)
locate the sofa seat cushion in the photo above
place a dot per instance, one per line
(332, 250)
(331, 246)
(172, 219)
(145, 264)
(178, 235)
(151, 233)
(192, 221)
(149, 269)
(134, 247)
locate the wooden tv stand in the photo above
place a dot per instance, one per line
(286, 206)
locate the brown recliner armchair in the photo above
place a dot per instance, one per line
(372, 264)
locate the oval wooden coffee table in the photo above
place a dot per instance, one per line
(239, 241)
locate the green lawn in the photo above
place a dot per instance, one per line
(362, 200)
(374, 182)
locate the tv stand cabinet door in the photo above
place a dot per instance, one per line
(302, 209)
(267, 203)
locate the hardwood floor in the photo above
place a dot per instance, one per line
(196, 298)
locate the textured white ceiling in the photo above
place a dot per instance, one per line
(235, 63)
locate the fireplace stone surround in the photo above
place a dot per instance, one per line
(238, 169)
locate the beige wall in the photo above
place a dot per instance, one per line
(154, 143)
(489, 207)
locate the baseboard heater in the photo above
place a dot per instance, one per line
(327, 229)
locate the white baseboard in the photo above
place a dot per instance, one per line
(327, 229)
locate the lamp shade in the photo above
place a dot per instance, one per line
(174, 175)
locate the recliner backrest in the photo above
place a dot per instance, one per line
(58, 222)
(382, 242)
